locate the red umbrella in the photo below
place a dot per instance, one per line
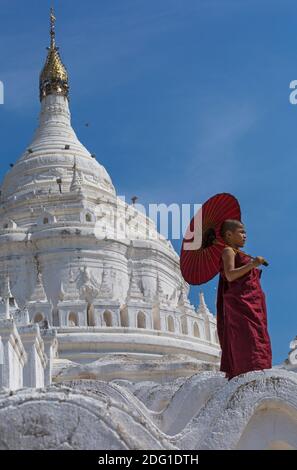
(203, 245)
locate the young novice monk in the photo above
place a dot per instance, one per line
(241, 307)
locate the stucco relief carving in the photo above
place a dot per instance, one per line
(88, 286)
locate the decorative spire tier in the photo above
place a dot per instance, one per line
(54, 76)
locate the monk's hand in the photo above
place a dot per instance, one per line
(258, 260)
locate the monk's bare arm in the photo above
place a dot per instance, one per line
(231, 272)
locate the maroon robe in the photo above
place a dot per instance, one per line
(242, 322)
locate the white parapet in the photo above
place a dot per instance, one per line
(13, 356)
(85, 344)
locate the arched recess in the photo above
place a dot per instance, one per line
(107, 317)
(141, 320)
(170, 324)
(196, 331)
(272, 426)
(87, 215)
(38, 317)
(46, 218)
(72, 319)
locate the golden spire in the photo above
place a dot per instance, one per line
(53, 77)
(53, 34)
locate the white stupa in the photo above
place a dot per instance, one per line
(100, 347)
(80, 258)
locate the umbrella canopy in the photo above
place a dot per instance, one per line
(202, 244)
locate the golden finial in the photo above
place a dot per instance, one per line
(53, 77)
(52, 30)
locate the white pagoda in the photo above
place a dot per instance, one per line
(82, 261)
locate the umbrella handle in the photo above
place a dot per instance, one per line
(265, 263)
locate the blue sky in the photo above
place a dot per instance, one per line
(185, 99)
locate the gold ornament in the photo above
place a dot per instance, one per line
(53, 77)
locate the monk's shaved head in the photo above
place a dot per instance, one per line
(230, 224)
